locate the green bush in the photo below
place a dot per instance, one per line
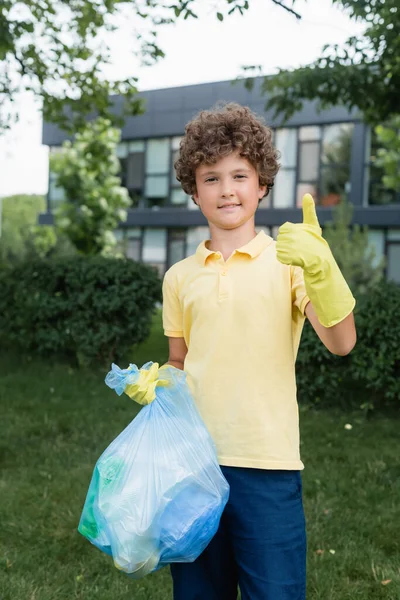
(376, 360)
(369, 377)
(319, 374)
(90, 309)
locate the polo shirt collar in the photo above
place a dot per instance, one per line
(252, 248)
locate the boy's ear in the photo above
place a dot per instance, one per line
(262, 190)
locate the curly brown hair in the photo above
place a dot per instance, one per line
(215, 133)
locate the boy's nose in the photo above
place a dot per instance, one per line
(227, 192)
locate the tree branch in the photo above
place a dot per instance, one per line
(293, 12)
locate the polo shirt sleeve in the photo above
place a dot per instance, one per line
(299, 294)
(172, 309)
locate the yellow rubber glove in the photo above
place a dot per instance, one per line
(143, 390)
(302, 245)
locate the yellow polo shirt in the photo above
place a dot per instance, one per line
(241, 320)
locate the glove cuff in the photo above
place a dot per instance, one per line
(329, 294)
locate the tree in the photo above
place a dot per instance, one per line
(364, 74)
(20, 236)
(56, 50)
(95, 203)
(353, 251)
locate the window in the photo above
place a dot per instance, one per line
(157, 172)
(56, 194)
(120, 241)
(134, 176)
(265, 229)
(394, 235)
(309, 161)
(148, 173)
(335, 163)
(156, 188)
(131, 157)
(178, 196)
(134, 171)
(155, 248)
(314, 159)
(195, 235)
(174, 181)
(305, 188)
(374, 190)
(265, 202)
(192, 204)
(376, 238)
(393, 255)
(129, 242)
(122, 150)
(393, 261)
(324, 162)
(283, 190)
(157, 156)
(310, 133)
(176, 245)
(286, 142)
(271, 231)
(274, 232)
(133, 243)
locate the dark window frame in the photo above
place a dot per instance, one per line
(367, 164)
(388, 243)
(170, 231)
(321, 165)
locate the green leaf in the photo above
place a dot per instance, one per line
(361, 73)
(68, 76)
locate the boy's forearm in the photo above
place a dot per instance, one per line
(339, 339)
(176, 363)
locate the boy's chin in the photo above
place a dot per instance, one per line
(230, 226)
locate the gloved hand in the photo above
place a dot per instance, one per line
(143, 390)
(302, 245)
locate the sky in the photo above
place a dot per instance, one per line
(197, 51)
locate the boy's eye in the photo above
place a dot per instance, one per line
(212, 179)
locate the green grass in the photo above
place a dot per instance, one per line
(55, 422)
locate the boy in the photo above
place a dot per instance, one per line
(233, 313)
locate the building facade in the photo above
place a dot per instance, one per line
(330, 154)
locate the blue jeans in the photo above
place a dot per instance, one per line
(260, 545)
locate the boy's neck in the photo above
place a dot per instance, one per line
(227, 241)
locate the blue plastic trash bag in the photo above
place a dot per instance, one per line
(157, 492)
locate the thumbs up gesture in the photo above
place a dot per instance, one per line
(301, 244)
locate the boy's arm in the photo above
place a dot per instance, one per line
(173, 322)
(177, 352)
(339, 339)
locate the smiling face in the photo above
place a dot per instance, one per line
(228, 192)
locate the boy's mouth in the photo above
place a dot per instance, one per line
(230, 205)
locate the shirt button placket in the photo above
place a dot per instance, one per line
(223, 283)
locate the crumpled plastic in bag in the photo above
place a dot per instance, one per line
(157, 492)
